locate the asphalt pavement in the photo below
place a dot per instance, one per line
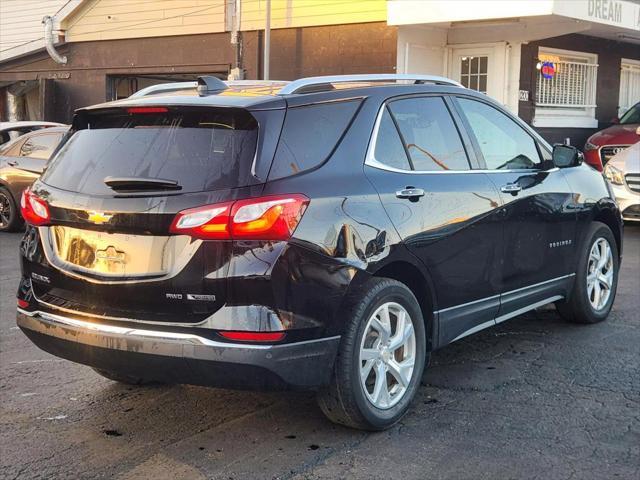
(534, 398)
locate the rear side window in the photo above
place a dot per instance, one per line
(200, 148)
(429, 134)
(389, 149)
(309, 135)
(40, 146)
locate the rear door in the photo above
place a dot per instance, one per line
(444, 211)
(108, 251)
(539, 221)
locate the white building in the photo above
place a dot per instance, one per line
(590, 50)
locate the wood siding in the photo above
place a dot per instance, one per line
(306, 13)
(21, 28)
(119, 19)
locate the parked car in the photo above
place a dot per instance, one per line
(623, 172)
(12, 130)
(21, 162)
(326, 234)
(602, 146)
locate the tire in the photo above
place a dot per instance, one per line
(582, 305)
(10, 219)
(122, 378)
(347, 400)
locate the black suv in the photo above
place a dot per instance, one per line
(327, 234)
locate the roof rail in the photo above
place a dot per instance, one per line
(164, 87)
(317, 84)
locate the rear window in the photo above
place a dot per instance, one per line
(309, 135)
(201, 149)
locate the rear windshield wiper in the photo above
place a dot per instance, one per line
(140, 183)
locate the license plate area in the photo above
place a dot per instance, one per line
(117, 255)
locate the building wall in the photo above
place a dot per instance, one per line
(325, 50)
(609, 54)
(21, 26)
(296, 52)
(116, 19)
(305, 13)
(83, 81)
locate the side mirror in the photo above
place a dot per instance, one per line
(615, 121)
(565, 156)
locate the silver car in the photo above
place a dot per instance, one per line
(623, 172)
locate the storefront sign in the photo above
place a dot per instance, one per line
(605, 10)
(619, 13)
(548, 70)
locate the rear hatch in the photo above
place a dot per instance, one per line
(113, 191)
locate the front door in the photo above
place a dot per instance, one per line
(443, 210)
(539, 222)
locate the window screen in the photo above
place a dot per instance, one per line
(309, 135)
(430, 136)
(504, 144)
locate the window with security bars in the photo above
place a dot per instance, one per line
(629, 85)
(568, 81)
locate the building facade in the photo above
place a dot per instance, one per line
(567, 67)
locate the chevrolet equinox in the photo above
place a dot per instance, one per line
(326, 234)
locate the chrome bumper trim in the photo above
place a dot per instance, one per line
(140, 340)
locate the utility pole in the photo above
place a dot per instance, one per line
(267, 40)
(237, 73)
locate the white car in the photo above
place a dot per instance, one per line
(623, 172)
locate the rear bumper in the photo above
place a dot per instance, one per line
(182, 358)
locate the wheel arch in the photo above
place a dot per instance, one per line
(416, 281)
(610, 218)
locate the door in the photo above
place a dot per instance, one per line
(539, 222)
(444, 211)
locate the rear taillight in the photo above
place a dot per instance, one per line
(23, 303)
(34, 210)
(264, 218)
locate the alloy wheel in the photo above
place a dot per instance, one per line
(5, 210)
(387, 355)
(600, 273)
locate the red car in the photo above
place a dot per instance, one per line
(603, 145)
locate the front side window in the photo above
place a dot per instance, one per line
(504, 144)
(429, 135)
(40, 146)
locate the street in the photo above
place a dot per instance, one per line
(532, 398)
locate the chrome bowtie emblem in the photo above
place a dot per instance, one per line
(98, 217)
(111, 254)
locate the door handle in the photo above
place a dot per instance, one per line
(512, 188)
(12, 163)
(411, 193)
